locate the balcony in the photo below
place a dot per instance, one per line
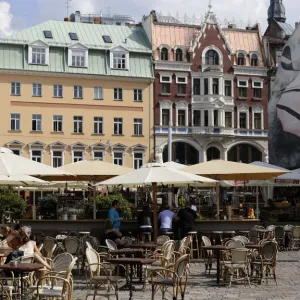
(212, 130)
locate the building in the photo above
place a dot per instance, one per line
(211, 85)
(74, 91)
(120, 20)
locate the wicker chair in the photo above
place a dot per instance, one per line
(175, 279)
(209, 260)
(110, 245)
(49, 247)
(72, 245)
(8, 286)
(95, 279)
(235, 244)
(237, 266)
(90, 239)
(279, 237)
(242, 238)
(295, 237)
(184, 247)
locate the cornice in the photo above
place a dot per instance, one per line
(172, 65)
(250, 71)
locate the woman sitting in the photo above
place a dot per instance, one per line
(112, 234)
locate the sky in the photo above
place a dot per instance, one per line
(16, 15)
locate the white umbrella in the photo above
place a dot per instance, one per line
(156, 174)
(17, 180)
(174, 165)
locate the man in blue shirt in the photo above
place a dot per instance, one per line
(114, 215)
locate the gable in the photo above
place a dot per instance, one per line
(119, 48)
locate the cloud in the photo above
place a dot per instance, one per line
(5, 19)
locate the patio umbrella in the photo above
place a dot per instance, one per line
(228, 170)
(17, 180)
(156, 174)
(174, 165)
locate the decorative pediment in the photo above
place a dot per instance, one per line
(15, 143)
(241, 52)
(182, 105)
(118, 146)
(78, 46)
(164, 46)
(39, 43)
(78, 145)
(244, 108)
(37, 144)
(138, 147)
(218, 103)
(58, 145)
(119, 48)
(257, 108)
(166, 104)
(98, 146)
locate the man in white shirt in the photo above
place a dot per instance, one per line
(166, 220)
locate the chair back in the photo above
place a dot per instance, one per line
(182, 266)
(288, 227)
(88, 245)
(259, 227)
(61, 262)
(206, 241)
(269, 251)
(93, 241)
(49, 247)
(162, 239)
(27, 259)
(93, 260)
(72, 245)
(279, 232)
(296, 232)
(239, 256)
(167, 253)
(73, 233)
(127, 240)
(235, 244)
(111, 245)
(185, 244)
(242, 238)
(40, 247)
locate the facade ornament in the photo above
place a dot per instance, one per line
(159, 155)
(266, 156)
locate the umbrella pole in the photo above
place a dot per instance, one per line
(257, 204)
(154, 199)
(218, 200)
(33, 207)
(94, 203)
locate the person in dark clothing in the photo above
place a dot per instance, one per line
(145, 219)
(112, 234)
(187, 217)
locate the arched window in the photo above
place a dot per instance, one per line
(164, 54)
(179, 55)
(254, 60)
(213, 153)
(241, 59)
(244, 153)
(211, 58)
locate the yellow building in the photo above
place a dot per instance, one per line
(74, 91)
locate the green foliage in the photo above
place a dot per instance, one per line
(48, 206)
(198, 216)
(181, 201)
(10, 201)
(103, 204)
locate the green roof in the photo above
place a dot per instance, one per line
(90, 35)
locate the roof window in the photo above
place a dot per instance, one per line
(73, 36)
(48, 34)
(107, 39)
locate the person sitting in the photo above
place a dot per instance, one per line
(112, 234)
(166, 219)
(187, 217)
(145, 219)
(5, 232)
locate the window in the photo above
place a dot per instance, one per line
(98, 125)
(211, 58)
(16, 151)
(119, 60)
(36, 90)
(165, 117)
(181, 117)
(241, 59)
(254, 60)
(118, 126)
(257, 89)
(179, 55)
(38, 56)
(206, 118)
(138, 127)
(228, 119)
(165, 79)
(257, 93)
(78, 58)
(197, 117)
(57, 123)
(196, 86)
(118, 23)
(73, 36)
(257, 121)
(228, 88)
(98, 155)
(57, 159)
(242, 92)
(48, 34)
(138, 95)
(98, 93)
(206, 89)
(243, 120)
(15, 122)
(165, 88)
(215, 86)
(181, 89)
(164, 54)
(118, 94)
(118, 158)
(216, 118)
(138, 159)
(36, 155)
(36, 122)
(107, 39)
(78, 124)
(57, 91)
(77, 156)
(15, 88)
(78, 94)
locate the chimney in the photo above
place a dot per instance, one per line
(77, 16)
(248, 28)
(97, 20)
(232, 25)
(296, 25)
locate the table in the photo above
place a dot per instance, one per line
(217, 248)
(126, 251)
(146, 246)
(22, 268)
(131, 262)
(261, 233)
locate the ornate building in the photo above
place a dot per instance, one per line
(211, 85)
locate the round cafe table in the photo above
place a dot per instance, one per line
(22, 268)
(145, 246)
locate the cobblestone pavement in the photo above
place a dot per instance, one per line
(201, 286)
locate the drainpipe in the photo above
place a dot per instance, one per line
(64, 59)
(23, 57)
(152, 108)
(105, 62)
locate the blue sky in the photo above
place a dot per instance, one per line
(19, 14)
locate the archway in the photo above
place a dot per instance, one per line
(244, 153)
(182, 153)
(213, 153)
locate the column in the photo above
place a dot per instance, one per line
(210, 86)
(202, 117)
(221, 86)
(211, 117)
(201, 86)
(237, 121)
(225, 157)
(232, 116)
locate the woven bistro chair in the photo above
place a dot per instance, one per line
(279, 237)
(295, 237)
(235, 244)
(184, 247)
(175, 279)
(49, 247)
(210, 259)
(98, 275)
(111, 245)
(242, 238)
(8, 286)
(90, 239)
(237, 268)
(271, 234)
(72, 245)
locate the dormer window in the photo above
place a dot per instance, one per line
(78, 56)
(254, 60)
(38, 53)
(119, 58)
(179, 55)
(164, 54)
(241, 59)
(211, 58)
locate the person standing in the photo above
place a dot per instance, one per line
(166, 219)
(187, 217)
(114, 215)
